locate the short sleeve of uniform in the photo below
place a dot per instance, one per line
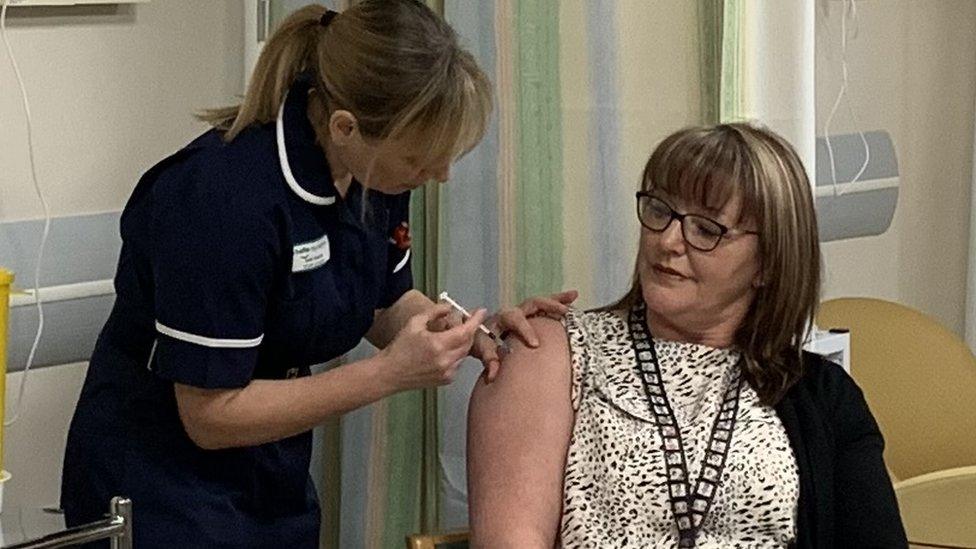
(399, 279)
(213, 256)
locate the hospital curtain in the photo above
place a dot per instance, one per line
(500, 216)
(380, 474)
(545, 202)
(403, 483)
(491, 237)
(721, 60)
(730, 61)
(768, 69)
(710, 27)
(538, 142)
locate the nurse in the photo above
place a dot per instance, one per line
(278, 240)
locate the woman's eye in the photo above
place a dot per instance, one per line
(705, 228)
(660, 211)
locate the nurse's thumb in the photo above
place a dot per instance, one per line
(435, 313)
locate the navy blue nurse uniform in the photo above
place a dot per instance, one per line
(239, 262)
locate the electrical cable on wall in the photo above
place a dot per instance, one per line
(850, 11)
(19, 407)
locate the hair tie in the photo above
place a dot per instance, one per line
(327, 18)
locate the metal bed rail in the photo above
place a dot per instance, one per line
(117, 528)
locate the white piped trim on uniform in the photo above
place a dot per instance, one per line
(209, 341)
(286, 166)
(403, 262)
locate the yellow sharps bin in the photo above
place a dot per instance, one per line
(6, 280)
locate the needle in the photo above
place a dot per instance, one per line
(464, 312)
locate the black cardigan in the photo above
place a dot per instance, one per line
(846, 497)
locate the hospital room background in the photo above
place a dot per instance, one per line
(878, 96)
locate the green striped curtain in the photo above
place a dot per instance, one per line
(538, 196)
(403, 485)
(710, 20)
(406, 457)
(720, 61)
(403, 489)
(730, 90)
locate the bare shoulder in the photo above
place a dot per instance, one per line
(526, 370)
(551, 332)
(551, 353)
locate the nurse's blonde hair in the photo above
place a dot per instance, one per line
(394, 64)
(709, 166)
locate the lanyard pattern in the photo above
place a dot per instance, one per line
(690, 507)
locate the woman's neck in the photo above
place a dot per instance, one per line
(720, 334)
(341, 176)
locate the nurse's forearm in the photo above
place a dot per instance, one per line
(270, 410)
(389, 321)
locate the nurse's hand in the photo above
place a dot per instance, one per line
(515, 321)
(423, 356)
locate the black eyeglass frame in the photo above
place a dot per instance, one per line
(723, 230)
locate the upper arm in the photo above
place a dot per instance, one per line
(213, 264)
(518, 434)
(866, 511)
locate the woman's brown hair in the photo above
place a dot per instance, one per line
(708, 166)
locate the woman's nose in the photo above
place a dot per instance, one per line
(672, 239)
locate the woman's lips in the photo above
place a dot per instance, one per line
(669, 272)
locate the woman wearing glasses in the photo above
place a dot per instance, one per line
(686, 413)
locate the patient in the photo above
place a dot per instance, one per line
(686, 414)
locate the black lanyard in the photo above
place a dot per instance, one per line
(689, 507)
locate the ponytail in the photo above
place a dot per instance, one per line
(287, 53)
(394, 64)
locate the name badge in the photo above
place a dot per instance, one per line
(310, 255)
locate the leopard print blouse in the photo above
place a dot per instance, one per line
(615, 489)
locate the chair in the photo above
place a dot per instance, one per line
(939, 509)
(918, 378)
(445, 540)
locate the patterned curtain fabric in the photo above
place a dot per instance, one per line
(710, 31)
(378, 465)
(583, 91)
(731, 96)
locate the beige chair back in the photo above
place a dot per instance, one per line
(918, 378)
(939, 509)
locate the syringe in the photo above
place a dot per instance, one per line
(464, 312)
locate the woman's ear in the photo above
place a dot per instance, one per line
(343, 127)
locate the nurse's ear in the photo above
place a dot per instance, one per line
(343, 127)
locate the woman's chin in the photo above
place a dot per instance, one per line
(665, 301)
(393, 189)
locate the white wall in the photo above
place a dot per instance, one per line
(34, 445)
(112, 91)
(912, 73)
